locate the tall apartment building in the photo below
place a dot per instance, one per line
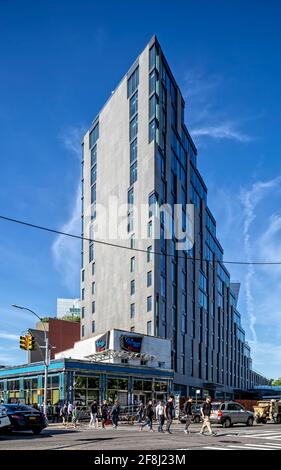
(139, 150)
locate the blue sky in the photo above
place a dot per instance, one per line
(59, 62)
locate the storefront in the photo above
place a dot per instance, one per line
(81, 382)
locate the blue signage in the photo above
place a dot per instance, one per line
(131, 343)
(102, 343)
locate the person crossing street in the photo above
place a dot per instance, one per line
(206, 413)
(187, 409)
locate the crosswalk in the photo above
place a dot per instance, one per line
(271, 440)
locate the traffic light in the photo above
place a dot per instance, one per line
(23, 342)
(30, 342)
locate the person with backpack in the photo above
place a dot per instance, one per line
(169, 413)
(149, 414)
(94, 414)
(115, 411)
(187, 410)
(160, 415)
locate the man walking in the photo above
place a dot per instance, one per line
(149, 413)
(94, 414)
(140, 412)
(104, 414)
(160, 415)
(206, 412)
(115, 411)
(187, 409)
(169, 413)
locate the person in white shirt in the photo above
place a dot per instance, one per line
(160, 415)
(69, 412)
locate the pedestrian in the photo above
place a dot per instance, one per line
(63, 414)
(74, 417)
(94, 414)
(115, 411)
(69, 412)
(169, 413)
(104, 413)
(140, 412)
(56, 416)
(187, 409)
(206, 412)
(149, 414)
(160, 410)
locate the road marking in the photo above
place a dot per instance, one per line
(245, 447)
(273, 446)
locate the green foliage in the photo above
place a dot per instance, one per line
(277, 382)
(75, 318)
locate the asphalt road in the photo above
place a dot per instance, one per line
(258, 437)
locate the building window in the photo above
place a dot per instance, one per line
(83, 330)
(153, 77)
(133, 287)
(133, 241)
(133, 82)
(152, 130)
(149, 229)
(82, 312)
(149, 254)
(91, 252)
(93, 288)
(149, 327)
(94, 156)
(130, 222)
(93, 268)
(132, 328)
(124, 361)
(93, 307)
(133, 128)
(133, 104)
(133, 173)
(149, 303)
(152, 57)
(83, 294)
(133, 264)
(149, 278)
(93, 326)
(93, 194)
(83, 275)
(134, 151)
(93, 174)
(152, 106)
(132, 311)
(131, 197)
(94, 135)
(152, 205)
(143, 362)
(161, 365)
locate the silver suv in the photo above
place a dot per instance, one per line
(229, 413)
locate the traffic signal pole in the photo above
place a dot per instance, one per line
(47, 358)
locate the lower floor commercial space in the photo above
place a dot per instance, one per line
(81, 382)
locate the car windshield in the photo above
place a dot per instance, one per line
(215, 406)
(15, 407)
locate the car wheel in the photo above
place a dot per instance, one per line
(36, 431)
(197, 419)
(226, 423)
(250, 422)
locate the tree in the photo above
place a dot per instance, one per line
(277, 382)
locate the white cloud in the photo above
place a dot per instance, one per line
(8, 336)
(220, 131)
(66, 250)
(201, 91)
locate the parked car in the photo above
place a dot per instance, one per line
(229, 413)
(196, 414)
(24, 418)
(5, 423)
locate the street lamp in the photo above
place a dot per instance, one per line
(46, 361)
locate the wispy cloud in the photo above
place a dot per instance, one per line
(221, 131)
(207, 121)
(8, 336)
(72, 138)
(66, 250)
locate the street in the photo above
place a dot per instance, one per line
(55, 437)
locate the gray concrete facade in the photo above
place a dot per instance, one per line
(193, 302)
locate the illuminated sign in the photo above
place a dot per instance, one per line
(102, 343)
(131, 343)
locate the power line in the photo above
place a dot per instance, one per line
(115, 245)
